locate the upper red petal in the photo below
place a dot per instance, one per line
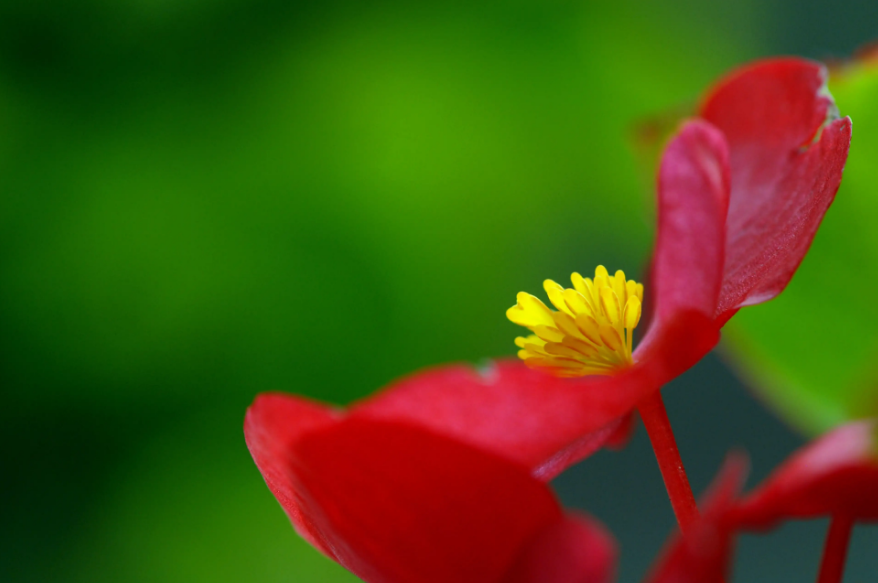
(396, 503)
(574, 550)
(273, 422)
(686, 271)
(693, 201)
(836, 474)
(782, 183)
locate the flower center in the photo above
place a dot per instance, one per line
(592, 331)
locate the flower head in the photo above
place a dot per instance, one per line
(742, 190)
(438, 477)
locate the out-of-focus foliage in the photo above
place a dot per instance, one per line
(305, 205)
(206, 200)
(812, 351)
(186, 509)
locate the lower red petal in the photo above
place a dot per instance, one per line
(574, 550)
(396, 503)
(273, 423)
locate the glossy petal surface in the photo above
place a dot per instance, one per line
(836, 474)
(782, 183)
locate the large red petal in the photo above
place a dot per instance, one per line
(782, 183)
(693, 202)
(273, 422)
(541, 421)
(834, 475)
(686, 271)
(574, 550)
(398, 504)
(704, 554)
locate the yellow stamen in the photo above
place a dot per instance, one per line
(591, 333)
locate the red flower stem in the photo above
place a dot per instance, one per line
(836, 549)
(658, 426)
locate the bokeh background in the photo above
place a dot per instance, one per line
(201, 200)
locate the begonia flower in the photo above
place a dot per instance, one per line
(835, 476)
(742, 190)
(741, 193)
(397, 503)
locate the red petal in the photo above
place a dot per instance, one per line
(687, 266)
(704, 554)
(397, 503)
(528, 416)
(522, 414)
(693, 203)
(782, 184)
(834, 475)
(273, 422)
(574, 550)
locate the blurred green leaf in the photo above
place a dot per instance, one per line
(333, 209)
(209, 199)
(811, 352)
(191, 506)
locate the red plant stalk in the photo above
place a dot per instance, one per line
(658, 426)
(836, 549)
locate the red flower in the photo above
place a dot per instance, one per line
(430, 480)
(397, 503)
(835, 476)
(741, 192)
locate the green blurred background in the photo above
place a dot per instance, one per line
(203, 200)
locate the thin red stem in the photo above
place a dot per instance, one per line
(836, 549)
(658, 426)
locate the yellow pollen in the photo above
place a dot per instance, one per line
(592, 331)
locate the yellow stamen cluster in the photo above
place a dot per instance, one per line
(592, 331)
